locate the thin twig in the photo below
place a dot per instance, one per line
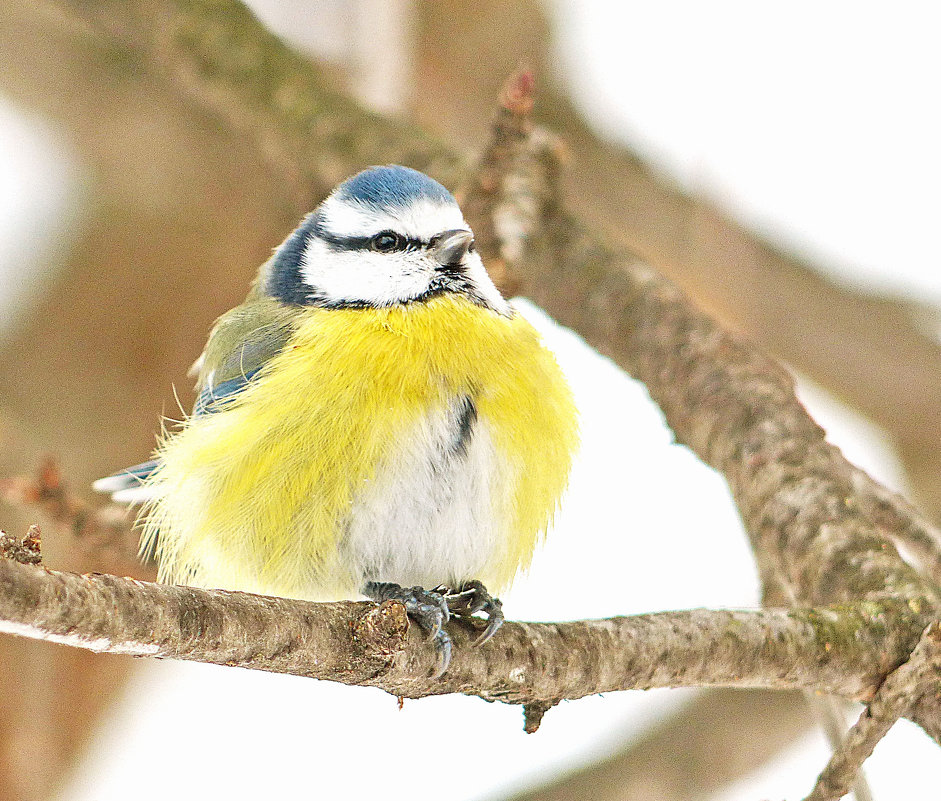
(26, 551)
(829, 714)
(919, 676)
(96, 530)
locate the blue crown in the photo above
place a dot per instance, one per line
(392, 186)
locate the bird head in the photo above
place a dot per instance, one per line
(388, 235)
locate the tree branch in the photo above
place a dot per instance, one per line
(843, 651)
(691, 755)
(898, 693)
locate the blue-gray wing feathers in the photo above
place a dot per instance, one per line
(243, 341)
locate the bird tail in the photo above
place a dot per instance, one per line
(129, 485)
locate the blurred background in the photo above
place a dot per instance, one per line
(778, 161)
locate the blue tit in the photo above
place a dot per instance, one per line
(374, 419)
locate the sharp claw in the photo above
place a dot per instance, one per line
(442, 616)
(478, 604)
(435, 629)
(471, 598)
(493, 623)
(443, 653)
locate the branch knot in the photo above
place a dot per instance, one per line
(26, 551)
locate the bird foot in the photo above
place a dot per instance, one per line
(473, 597)
(428, 608)
(431, 609)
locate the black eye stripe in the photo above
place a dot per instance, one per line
(335, 242)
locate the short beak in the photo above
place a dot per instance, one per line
(450, 248)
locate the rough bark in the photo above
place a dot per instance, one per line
(903, 688)
(843, 651)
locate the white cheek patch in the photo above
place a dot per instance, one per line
(363, 275)
(379, 279)
(421, 219)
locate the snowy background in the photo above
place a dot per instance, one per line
(813, 123)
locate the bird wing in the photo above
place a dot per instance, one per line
(241, 343)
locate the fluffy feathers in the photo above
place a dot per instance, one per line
(337, 455)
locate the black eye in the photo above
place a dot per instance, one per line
(387, 241)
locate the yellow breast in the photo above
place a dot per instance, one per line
(258, 496)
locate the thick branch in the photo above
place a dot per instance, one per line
(844, 651)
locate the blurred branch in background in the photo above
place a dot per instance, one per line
(103, 533)
(708, 743)
(181, 199)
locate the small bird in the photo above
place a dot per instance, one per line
(374, 419)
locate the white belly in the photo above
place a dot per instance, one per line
(434, 513)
